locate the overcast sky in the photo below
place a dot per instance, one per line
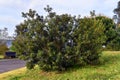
(10, 10)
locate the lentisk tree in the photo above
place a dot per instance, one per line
(58, 41)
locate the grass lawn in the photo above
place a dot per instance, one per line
(108, 70)
(6, 75)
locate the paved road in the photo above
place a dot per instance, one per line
(10, 64)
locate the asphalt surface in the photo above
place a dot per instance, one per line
(10, 64)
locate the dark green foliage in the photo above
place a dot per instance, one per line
(56, 52)
(30, 65)
(58, 41)
(114, 44)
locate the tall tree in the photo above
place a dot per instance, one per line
(117, 12)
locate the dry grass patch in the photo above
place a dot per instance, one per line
(3, 76)
(1, 56)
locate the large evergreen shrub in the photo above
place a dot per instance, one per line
(58, 41)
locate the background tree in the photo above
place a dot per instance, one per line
(3, 49)
(110, 29)
(111, 32)
(117, 12)
(3, 46)
(114, 44)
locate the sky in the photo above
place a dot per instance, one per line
(10, 10)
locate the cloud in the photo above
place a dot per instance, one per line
(8, 19)
(75, 6)
(10, 14)
(9, 22)
(10, 2)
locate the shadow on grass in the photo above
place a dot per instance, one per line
(109, 59)
(105, 60)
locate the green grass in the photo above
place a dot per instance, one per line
(108, 70)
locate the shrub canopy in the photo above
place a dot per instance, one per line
(58, 41)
